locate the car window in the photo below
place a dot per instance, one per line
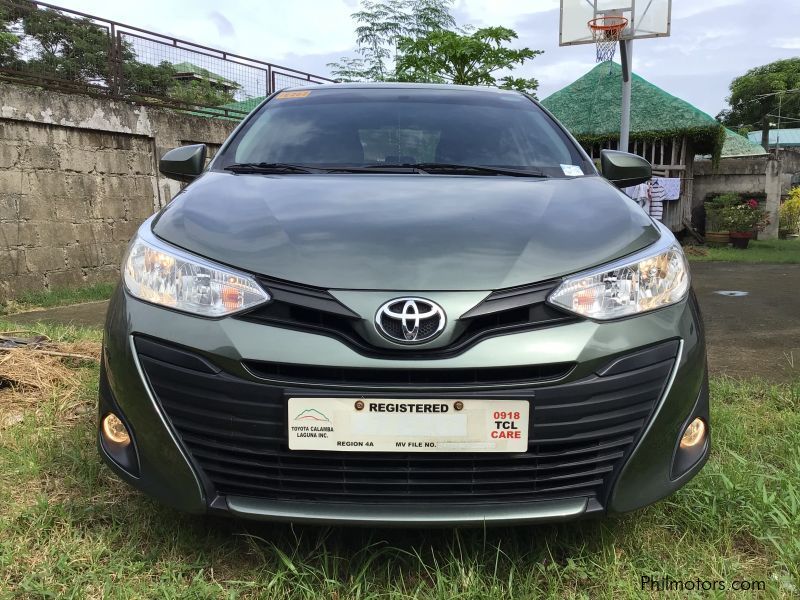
(363, 127)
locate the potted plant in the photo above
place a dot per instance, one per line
(789, 227)
(716, 232)
(741, 220)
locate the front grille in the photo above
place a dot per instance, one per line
(354, 376)
(235, 431)
(315, 310)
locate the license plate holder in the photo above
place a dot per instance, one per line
(408, 425)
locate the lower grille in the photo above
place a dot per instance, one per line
(355, 376)
(235, 431)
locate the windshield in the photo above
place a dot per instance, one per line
(369, 127)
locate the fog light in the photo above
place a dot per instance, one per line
(695, 434)
(114, 430)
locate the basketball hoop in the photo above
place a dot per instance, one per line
(606, 32)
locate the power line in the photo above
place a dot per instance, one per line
(760, 96)
(782, 117)
(778, 93)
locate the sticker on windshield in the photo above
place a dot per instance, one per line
(298, 94)
(572, 170)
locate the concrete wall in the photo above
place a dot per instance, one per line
(77, 177)
(745, 175)
(767, 176)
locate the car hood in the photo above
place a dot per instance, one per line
(405, 232)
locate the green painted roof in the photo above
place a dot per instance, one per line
(187, 67)
(233, 111)
(590, 108)
(738, 145)
(244, 106)
(789, 137)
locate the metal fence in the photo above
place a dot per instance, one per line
(63, 49)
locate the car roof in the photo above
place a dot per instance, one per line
(400, 85)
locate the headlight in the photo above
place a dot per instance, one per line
(169, 277)
(626, 288)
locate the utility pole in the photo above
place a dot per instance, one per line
(778, 133)
(626, 55)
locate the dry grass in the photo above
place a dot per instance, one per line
(42, 363)
(43, 389)
(46, 368)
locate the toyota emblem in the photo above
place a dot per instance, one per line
(410, 320)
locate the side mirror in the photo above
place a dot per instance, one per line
(184, 163)
(624, 169)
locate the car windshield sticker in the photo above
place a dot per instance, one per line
(572, 170)
(299, 94)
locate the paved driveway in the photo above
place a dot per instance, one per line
(756, 334)
(753, 334)
(86, 314)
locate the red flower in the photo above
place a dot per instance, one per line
(752, 203)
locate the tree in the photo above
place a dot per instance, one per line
(53, 45)
(444, 56)
(755, 97)
(380, 26)
(418, 40)
(201, 92)
(159, 81)
(141, 79)
(65, 48)
(9, 40)
(48, 43)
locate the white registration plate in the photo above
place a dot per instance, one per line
(402, 425)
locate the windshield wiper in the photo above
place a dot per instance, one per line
(425, 168)
(380, 168)
(429, 167)
(265, 167)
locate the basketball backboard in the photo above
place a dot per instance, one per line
(646, 18)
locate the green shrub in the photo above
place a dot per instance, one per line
(715, 208)
(790, 212)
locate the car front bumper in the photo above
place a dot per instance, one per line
(193, 408)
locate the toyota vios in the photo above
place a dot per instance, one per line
(403, 304)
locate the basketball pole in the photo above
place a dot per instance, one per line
(626, 56)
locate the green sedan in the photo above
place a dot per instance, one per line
(397, 304)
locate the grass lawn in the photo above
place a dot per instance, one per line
(769, 251)
(70, 529)
(57, 297)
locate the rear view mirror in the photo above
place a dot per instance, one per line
(624, 169)
(184, 163)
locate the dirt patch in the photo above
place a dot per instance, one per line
(753, 334)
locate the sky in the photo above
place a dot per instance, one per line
(711, 42)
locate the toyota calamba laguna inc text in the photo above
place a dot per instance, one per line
(408, 304)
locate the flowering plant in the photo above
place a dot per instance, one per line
(790, 212)
(743, 217)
